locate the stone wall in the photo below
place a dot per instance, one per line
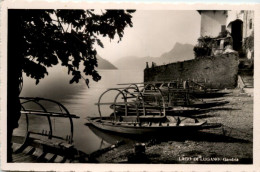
(219, 71)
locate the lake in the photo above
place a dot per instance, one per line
(79, 100)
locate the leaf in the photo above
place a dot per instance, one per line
(130, 11)
(100, 43)
(43, 37)
(87, 82)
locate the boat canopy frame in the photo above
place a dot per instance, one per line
(139, 96)
(64, 113)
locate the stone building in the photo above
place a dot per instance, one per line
(224, 54)
(212, 22)
(240, 24)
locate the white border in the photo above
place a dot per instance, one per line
(122, 167)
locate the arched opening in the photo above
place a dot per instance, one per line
(237, 34)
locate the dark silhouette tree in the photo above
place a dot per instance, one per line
(38, 39)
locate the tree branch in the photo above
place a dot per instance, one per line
(68, 27)
(59, 21)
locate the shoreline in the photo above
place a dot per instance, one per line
(232, 144)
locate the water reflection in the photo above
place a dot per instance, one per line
(79, 100)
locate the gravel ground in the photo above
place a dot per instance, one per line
(233, 143)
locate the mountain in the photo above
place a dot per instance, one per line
(104, 64)
(133, 62)
(179, 52)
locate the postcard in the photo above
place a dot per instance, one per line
(106, 86)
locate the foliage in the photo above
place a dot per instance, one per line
(201, 51)
(49, 36)
(204, 47)
(206, 44)
(38, 39)
(249, 42)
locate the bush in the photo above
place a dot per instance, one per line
(206, 44)
(204, 47)
(249, 42)
(201, 51)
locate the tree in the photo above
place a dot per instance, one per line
(38, 39)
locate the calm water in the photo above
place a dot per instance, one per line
(79, 100)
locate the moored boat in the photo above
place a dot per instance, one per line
(172, 111)
(135, 117)
(150, 125)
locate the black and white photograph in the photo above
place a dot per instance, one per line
(97, 85)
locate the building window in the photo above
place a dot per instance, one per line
(250, 24)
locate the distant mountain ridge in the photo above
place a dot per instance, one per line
(104, 64)
(133, 62)
(180, 52)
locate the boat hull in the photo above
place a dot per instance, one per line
(208, 94)
(153, 129)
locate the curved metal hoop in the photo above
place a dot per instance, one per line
(63, 109)
(156, 89)
(114, 107)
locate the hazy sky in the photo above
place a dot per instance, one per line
(154, 32)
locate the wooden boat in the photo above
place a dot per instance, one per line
(206, 104)
(140, 120)
(152, 110)
(150, 101)
(150, 125)
(191, 87)
(44, 146)
(176, 95)
(202, 94)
